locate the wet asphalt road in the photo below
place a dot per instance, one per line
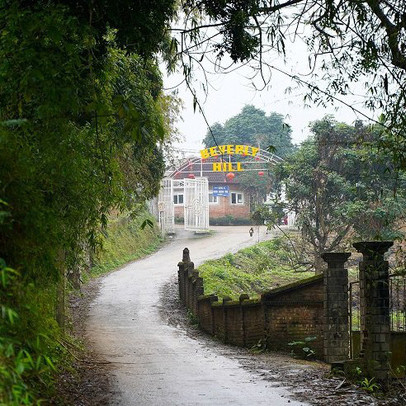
(156, 364)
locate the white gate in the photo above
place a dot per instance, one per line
(196, 201)
(166, 207)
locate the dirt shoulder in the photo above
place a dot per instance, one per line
(88, 381)
(308, 381)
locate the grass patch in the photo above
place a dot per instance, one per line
(125, 241)
(253, 270)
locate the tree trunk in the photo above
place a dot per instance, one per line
(319, 264)
(74, 277)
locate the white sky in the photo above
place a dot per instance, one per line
(230, 92)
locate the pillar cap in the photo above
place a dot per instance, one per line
(336, 259)
(186, 256)
(371, 249)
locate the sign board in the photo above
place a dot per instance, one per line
(221, 191)
(220, 150)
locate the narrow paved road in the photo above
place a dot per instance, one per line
(155, 364)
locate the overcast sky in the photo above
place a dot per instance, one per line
(229, 93)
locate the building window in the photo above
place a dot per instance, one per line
(237, 198)
(213, 199)
(178, 199)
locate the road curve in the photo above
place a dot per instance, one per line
(155, 364)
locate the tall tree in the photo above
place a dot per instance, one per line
(83, 121)
(340, 185)
(253, 127)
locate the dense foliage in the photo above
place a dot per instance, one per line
(26, 352)
(83, 122)
(73, 131)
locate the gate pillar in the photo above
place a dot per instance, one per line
(336, 335)
(375, 314)
(166, 208)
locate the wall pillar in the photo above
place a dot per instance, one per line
(336, 334)
(198, 290)
(375, 313)
(186, 267)
(181, 276)
(225, 317)
(241, 299)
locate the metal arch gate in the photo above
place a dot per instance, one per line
(196, 204)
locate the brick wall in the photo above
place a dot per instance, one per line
(223, 207)
(280, 316)
(287, 323)
(313, 307)
(293, 312)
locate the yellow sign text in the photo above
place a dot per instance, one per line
(229, 150)
(227, 167)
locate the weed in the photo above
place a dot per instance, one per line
(369, 385)
(193, 320)
(26, 364)
(259, 347)
(125, 241)
(302, 348)
(400, 370)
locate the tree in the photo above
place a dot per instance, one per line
(340, 186)
(83, 124)
(348, 41)
(253, 127)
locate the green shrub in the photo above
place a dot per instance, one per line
(27, 341)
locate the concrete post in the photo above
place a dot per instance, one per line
(336, 334)
(182, 273)
(181, 282)
(375, 314)
(189, 284)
